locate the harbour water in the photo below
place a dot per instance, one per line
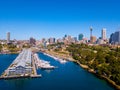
(68, 76)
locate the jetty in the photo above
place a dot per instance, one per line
(22, 67)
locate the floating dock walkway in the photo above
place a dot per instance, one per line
(61, 60)
(41, 63)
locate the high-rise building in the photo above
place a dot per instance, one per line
(45, 44)
(111, 38)
(65, 36)
(43, 40)
(51, 40)
(80, 37)
(8, 37)
(59, 40)
(93, 39)
(32, 41)
(104, 33)
(115, 38)
(75, 39)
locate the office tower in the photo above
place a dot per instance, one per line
(93, 39)
(51, 40)
(111, 38)
(80, 37)
(32, 41)
(59, 40)
(43, 40)
(75, 39)
(69, 38)
(65, 36)
(8, 37)
(115, 38)
(104, 33)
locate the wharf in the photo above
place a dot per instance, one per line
(17, 77)
(22, 67)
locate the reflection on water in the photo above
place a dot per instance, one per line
(68, 76)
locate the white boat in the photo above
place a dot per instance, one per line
(42, 63)
(63, 61)
(56, 58)
(47, 67)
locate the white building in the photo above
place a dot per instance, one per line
(22, 64)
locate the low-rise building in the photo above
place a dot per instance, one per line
(22, 64)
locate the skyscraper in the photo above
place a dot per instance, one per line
(111, 38)
(104, 33)
(75, 39)
(32, 41)
(51, 40)
(80, 37)
(8, 37)
(115, 38)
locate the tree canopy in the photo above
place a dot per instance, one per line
(104, 60)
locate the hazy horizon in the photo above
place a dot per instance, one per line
(55, 18)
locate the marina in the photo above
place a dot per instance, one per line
(41, 63)
(62, 61)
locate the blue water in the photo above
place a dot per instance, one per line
(67, 76)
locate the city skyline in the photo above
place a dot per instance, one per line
(55, 18)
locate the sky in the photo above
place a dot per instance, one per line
(55, 18)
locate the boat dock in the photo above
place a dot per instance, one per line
(61, 60)
(41, 63)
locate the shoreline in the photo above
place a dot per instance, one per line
(65, 57)
(109, 81)
(9, 53)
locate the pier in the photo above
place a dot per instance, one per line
(22, 67)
